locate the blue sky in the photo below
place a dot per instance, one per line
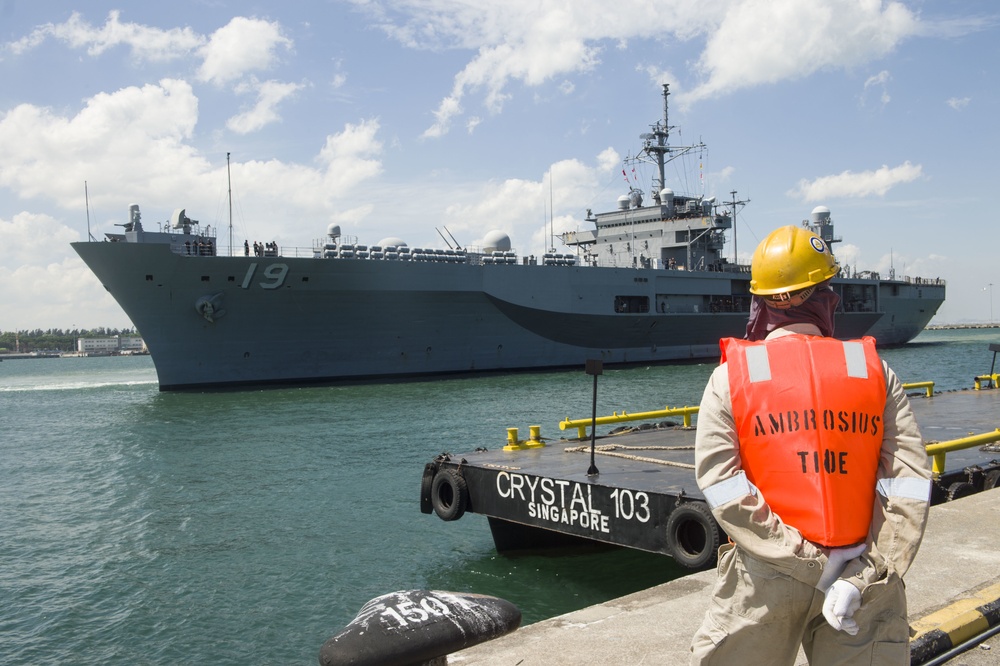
(401, 118)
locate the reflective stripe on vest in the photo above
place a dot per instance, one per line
(808, 413)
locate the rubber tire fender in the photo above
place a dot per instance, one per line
(693, 536)
(426, 484)
(449, 494)
(960, 489)
(991, 480)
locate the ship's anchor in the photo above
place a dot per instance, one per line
(210, 307)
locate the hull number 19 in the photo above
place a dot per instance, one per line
(274, 276)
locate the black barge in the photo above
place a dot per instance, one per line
(540, 494)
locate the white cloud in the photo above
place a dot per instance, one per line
(30, 237)
(766, 41)
(57, 294)
(39, 266)
(850, 184)
(242, 45)
(958, 103)
(658, 76)
(353, 216)
(448, 109)
(609, 159)
(748, 42)
(879, 82)
(496, 65)
(879, 79)
(269, 95)
(134, 145)
(522, 208)
(725, 175)
(282, 194)
(126, 140)
(514, 40)
(146, 43)
(347, 156)
(848, 256)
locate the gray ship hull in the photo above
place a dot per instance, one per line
(283, 320)
(907, 307)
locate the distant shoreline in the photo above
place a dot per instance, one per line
(941, 327)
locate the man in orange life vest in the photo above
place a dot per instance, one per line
(808, 453)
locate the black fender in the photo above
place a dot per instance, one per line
(960, 489)
(990, 481)
(426, 483)
(693, 536)
(449, 494)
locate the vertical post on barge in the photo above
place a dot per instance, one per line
(593, 367)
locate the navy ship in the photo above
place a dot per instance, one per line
(644, 283)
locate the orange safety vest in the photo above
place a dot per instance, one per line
(809, 417)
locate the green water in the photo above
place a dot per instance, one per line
(249, 527)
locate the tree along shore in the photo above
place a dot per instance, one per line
(54, 338)
(944, 327)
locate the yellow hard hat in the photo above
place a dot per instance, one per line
(790, 259)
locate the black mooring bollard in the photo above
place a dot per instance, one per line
(414, 627)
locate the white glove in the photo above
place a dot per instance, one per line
(842, 599)
(836, 562)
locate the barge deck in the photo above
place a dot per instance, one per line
(540, 493)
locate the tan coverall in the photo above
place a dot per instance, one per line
(765, 603)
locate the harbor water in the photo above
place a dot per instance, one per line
(141, 527)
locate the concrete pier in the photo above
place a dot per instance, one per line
(957, 564)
